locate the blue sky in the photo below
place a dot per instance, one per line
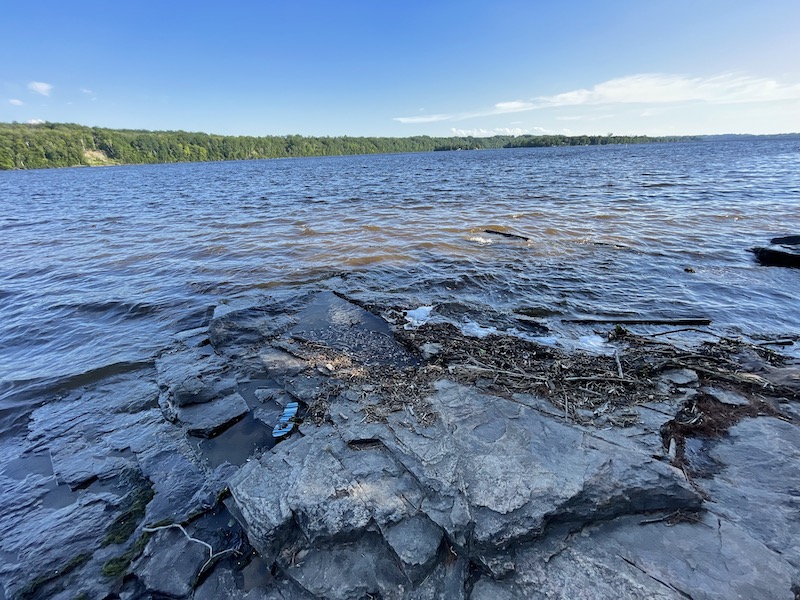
(385, 67)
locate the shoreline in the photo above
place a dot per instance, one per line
(426, 463)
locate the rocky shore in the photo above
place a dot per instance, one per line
(424, 463)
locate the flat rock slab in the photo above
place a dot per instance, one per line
(758, 486)
(488, 474)
(345, 327)
(503, 472)
(205, 420)
(626, 559)
(170, 563)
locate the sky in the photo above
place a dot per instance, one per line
(391, 68)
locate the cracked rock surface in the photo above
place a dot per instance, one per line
(461, 492)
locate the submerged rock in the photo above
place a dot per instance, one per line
(341, 325)
(771, 257)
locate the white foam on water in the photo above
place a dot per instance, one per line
(418, 316)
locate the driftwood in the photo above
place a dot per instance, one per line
(776, 258)
(506, 234)
(654, 321)
(789, 240)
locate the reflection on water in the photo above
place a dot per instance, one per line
(101, 266)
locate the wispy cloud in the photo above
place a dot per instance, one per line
(424, 118)
(498, 109)
(35, 121)
(40, 87)
(16, 102)
(658, 88)
(480, 132)
(646, 89)
(86, 91)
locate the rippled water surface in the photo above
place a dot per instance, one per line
(99, 267)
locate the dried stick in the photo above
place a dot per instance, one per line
(619, 364)
(211, 553)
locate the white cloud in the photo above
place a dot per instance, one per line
(515, 131)
(648, 89)
(424, 119)
(86, 91)
(659, 88)
(490, 132)
(513, 106)
(35, 121)
(16, 102)
(40, 87)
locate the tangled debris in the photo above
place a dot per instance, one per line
(586, 388)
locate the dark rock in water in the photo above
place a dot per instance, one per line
(506, 234)
(776, 258)
(345, 327)
(789, 240)
(246, 327)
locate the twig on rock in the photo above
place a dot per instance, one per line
(619, 364)
(212, 555)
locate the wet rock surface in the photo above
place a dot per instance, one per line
(427, 465)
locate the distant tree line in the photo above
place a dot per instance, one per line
(25, 146)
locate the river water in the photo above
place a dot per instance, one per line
(99, 267)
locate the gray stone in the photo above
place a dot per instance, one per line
(206, 420)
(352, 569)
(170, 563)
(727, 396)
(625, 559)
(490, 472)
(327, 488)
(36, 541)
(680, 377)
(278, 396)
(195, 390)
(448, 580)
(499, 471)
(430, 349)
(416, 541)
(489, 589)
(221, 584)
(345, 327)
(758, 487)
(280, 364)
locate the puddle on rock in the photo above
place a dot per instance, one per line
(20, 468)
(60, 495)
(237, 443)
(251, 391)
(255, 574)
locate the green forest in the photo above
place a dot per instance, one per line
(45, 145)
